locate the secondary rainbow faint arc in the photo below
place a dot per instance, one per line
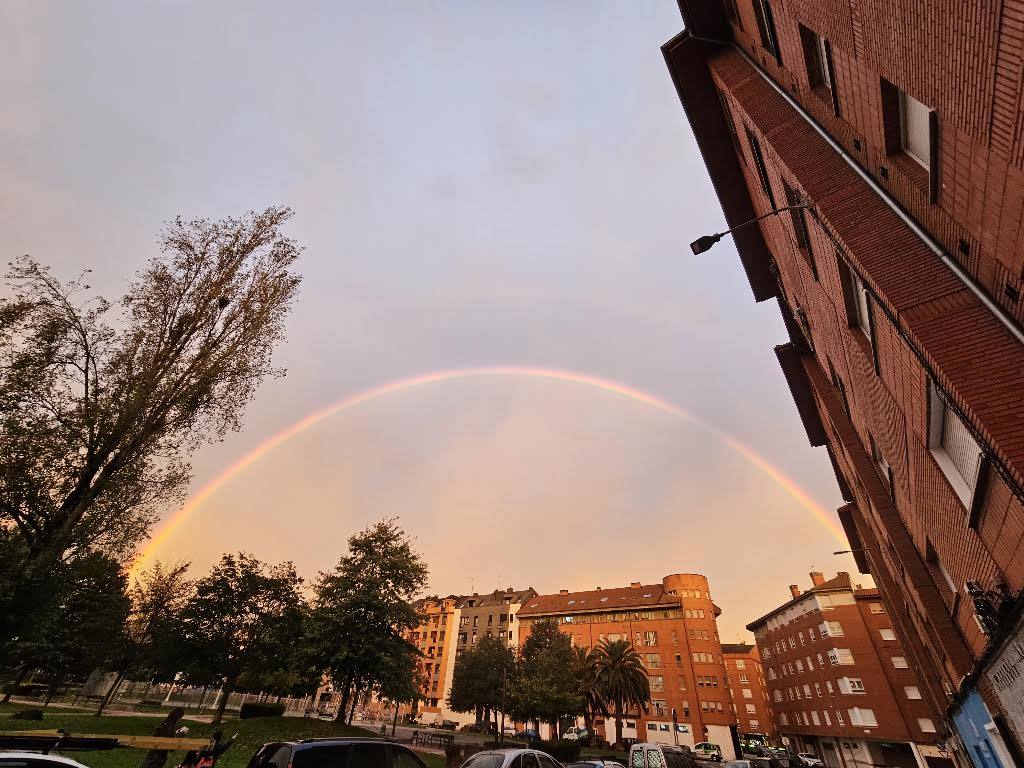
(437, 377)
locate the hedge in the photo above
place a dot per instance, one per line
(27, 714)
(260, 709)
(564, 751)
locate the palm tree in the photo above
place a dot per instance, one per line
(584, 668)
(621, 679)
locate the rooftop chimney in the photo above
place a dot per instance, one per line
(635, 585)
(794, 590)
(563, 591)
(817, 578)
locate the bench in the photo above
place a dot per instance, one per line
(426, 739)
(149, 706)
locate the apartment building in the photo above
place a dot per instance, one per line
(744, 675)
(449, 625)
(896, 131)
(672, 624)
(839, 681)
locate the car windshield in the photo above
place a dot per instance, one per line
(485, 760)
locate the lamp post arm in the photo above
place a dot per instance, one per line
(775, 212)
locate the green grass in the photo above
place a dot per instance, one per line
(252, 734)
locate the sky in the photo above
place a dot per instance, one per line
(477, 185)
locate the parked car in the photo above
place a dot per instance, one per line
(335, 753)
(641, 755)
(575, 733)
(527, 734)
(36, 760)
(750, 762)
(505, 758)
(809, 759)
(705, 750)
(597, 762)
(509, 731)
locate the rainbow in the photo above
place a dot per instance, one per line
(437, 377)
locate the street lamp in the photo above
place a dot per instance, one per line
(706, 242)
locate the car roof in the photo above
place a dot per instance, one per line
(335, 741)
(39, 756)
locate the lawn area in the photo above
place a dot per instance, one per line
(252, 734)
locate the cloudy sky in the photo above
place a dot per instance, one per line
(476, 184)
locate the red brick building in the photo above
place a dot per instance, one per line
(745, 677)
(672, 624)
(839, 681)
(899, 126)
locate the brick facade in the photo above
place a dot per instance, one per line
(897, 366)
(672, 624)
(749, 691)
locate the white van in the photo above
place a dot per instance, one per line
(647, 754)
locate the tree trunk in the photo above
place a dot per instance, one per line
(229, 688)
(339, 716)
(394, 723)
(22, 673)
(588, 720)
(618, 724)
(497, 728)
(352, 708)
(51, 689)
(110, 693)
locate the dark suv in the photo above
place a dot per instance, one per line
(335, 753)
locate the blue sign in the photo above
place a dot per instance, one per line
(974, 724)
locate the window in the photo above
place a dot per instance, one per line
(926, 725)
(899, 662)
(686, 709)
(876, 607)
(820, 70)
(654, 660)
(887, 634)
(771, 673)
(400, 758)
(675, 639)
(839, 717)
(783, 719)
(777, 695)
(657, 683)
(955, 450)
(882, 464)
(835, 629)
(741, 664)
(368, 755)
(766, 28)
(679, 661)
(828, 720)
(747, 694)
(810, 664)
(799, 666)
(762, 170)
(792, 641)
(751, 709)
(650, 638)
(840, 656)
(755, 725)
(807, 691)
(915, 133)
(817, 689)
(801, 635)
(814, 717)
(912, 692)
(811, 635)
(744, 679)
(659, 707)
(865, 717)
(851, 685)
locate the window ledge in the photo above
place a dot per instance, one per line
(963, 491)
(912, 169)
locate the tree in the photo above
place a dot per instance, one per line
(584, 670)
(79, 624)
(98, 418)
(545, 687)
(621, 679)
(482, 676)
(362, 610)
(156, 598)
(238, 621)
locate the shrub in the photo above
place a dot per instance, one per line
(260, 709)
(563, 751)
(27, 714)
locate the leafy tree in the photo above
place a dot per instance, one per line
(584, 670)
(362, 610)
(238, 621)
(80, 622)
(545, 687)
(481, 679)
(621, 679)
(156, 598)
(98, 417)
